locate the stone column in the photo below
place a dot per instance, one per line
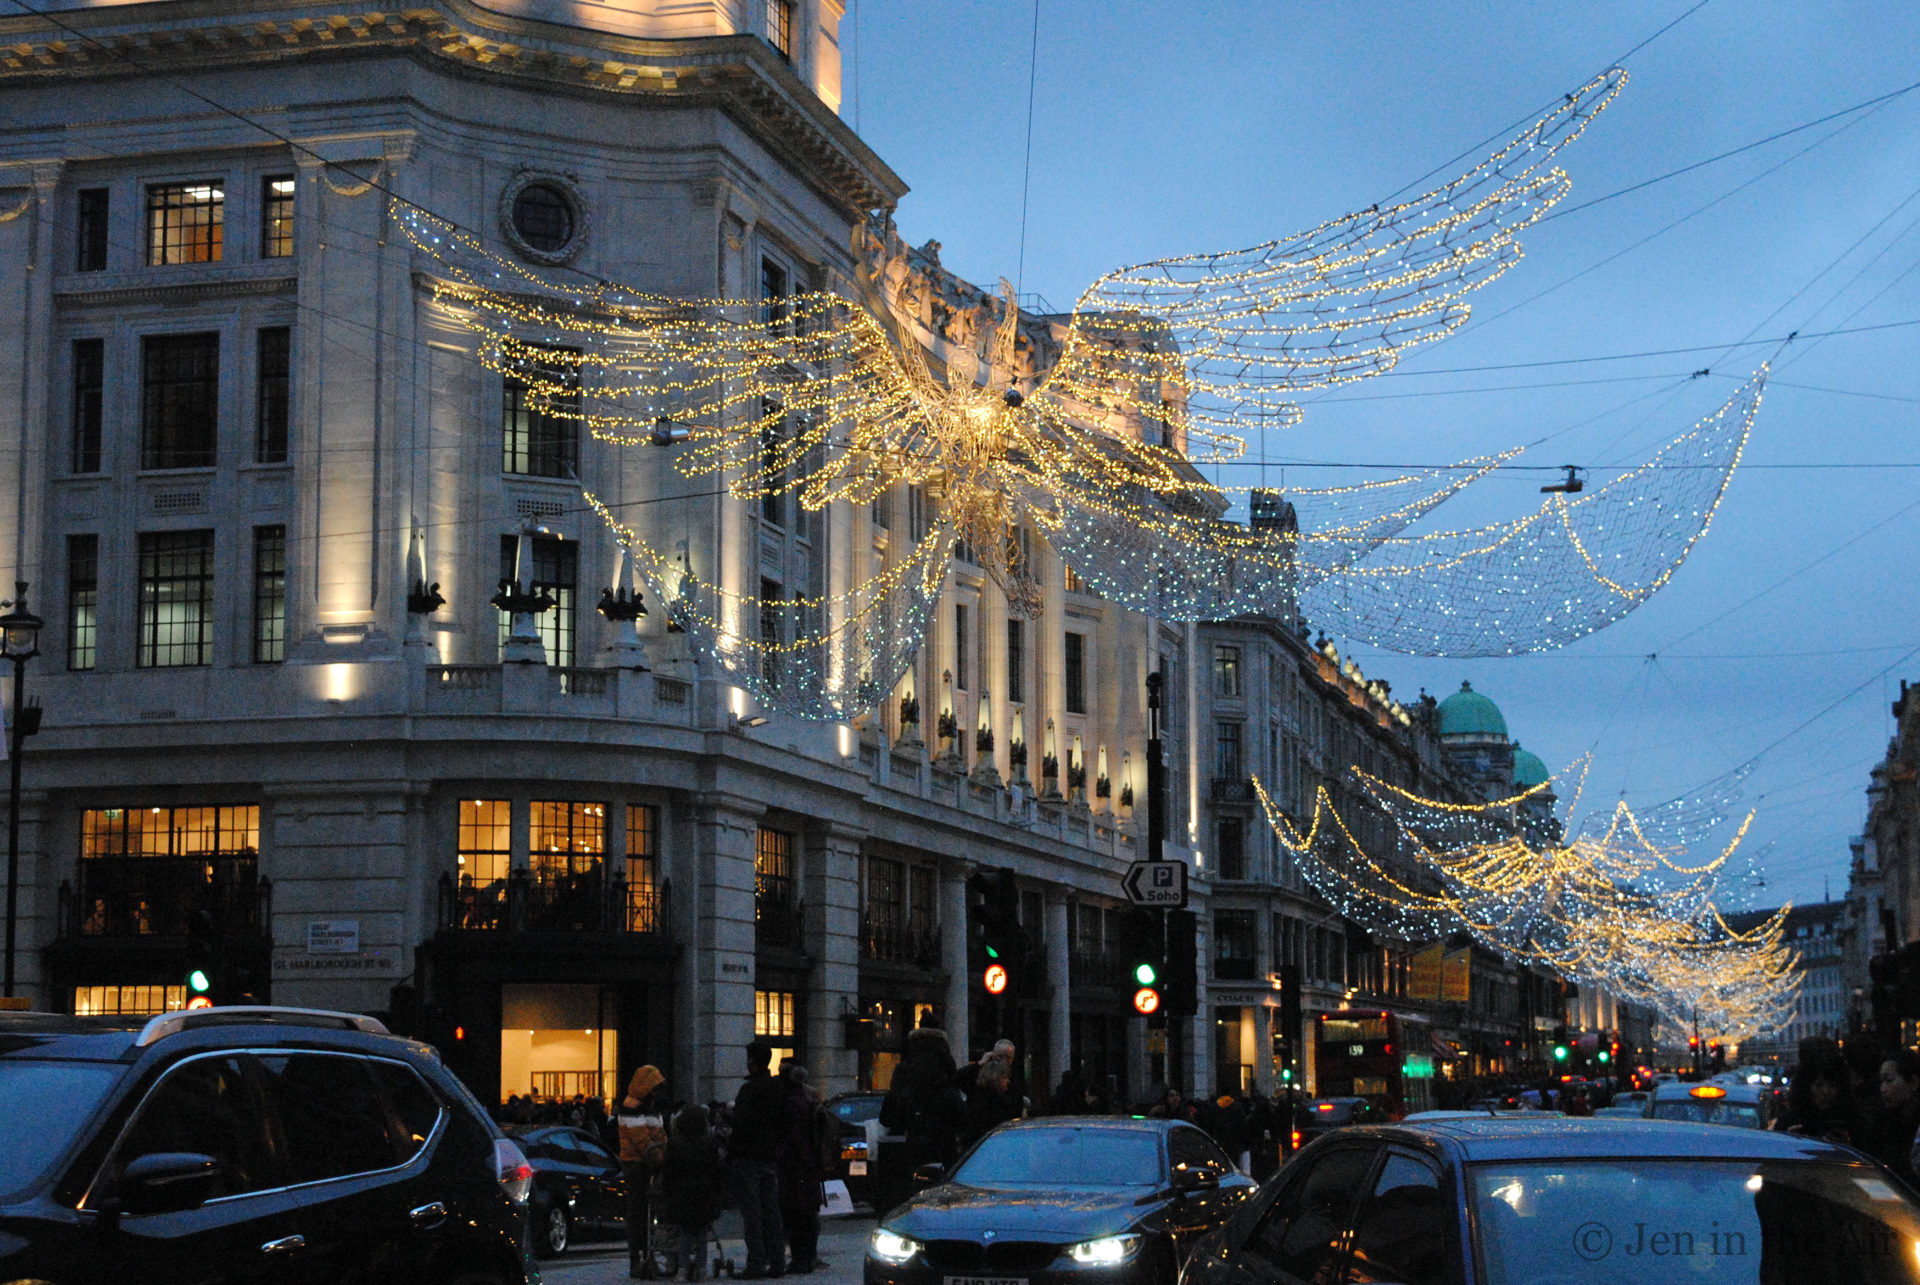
(953, 950)
(713, 999)
(1060, 994)
(830, 891)
(1263, 1078)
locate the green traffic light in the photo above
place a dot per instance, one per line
(1286, 1075)
(1602, 1055)
(992, 953)
(198, 982)
(1144, 974)
(1559, 1052)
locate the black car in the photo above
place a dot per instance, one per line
(1058, 1200)
(578, 1189)
(852, 1111)
(1323, 1114)
(1552, 1199)
(247, 1144)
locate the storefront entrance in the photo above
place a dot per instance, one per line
(559, 1039)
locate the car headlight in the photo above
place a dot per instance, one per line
(892, 1247)
(1108, 1251)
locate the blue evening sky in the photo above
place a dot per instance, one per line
(1177, 127)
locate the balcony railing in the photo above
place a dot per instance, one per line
(159, 896)
(583, 902)
(1232, 789)
(1097, 968)
(892, 944)
(1233, 969)
(778, 923)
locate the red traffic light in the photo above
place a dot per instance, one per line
(994, 979)
(1146, 1001)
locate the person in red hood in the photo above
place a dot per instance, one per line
(643, 1148)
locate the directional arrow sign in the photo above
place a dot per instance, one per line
(1156, 883)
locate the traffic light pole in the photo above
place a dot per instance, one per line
(1156, 845)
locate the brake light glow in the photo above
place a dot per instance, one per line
(1324, 1106)
(511, 1168)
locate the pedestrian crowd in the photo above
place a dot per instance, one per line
(767, 1154)
(1860, 1095)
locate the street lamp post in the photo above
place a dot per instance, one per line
(19, 643)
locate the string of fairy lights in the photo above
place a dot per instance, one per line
(1091, 432)
(1609, 903)
(824, 398)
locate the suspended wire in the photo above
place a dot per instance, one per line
(1775, 137)
(1507, 130)
(1026, 176)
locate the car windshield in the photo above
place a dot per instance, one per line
(42, 1106)
(1065, 1157)
(858, 1110)
(1721, 1222)
(1745, 1115)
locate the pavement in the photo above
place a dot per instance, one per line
(843, 1243)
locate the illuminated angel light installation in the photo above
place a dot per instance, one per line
(1612, 906)
(1090, 431)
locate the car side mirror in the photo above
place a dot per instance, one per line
(1195, 1178)
(165, 1182)
(930, 1175)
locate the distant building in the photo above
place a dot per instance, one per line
(1883, 888)
(1815, 934)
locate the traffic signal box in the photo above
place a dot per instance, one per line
(1144, 951)
(998, 948)
(1182, 975)
(202, 974)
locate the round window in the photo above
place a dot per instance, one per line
(543, 216)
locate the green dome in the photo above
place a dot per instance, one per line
(1468, 713)
(1528, 770)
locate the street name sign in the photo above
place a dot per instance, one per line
(1156, 883)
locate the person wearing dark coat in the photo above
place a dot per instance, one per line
(923, 1105)
(801, 1156)
(1893, 1138)
(692, 1188)
(759, 1123)
(991, 1104)
(1820, 1101)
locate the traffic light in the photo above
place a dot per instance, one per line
(201, 975)
(995, 920)
(1182, 974)
(1146, 963)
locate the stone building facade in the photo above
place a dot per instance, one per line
(1298, 716)
(262, 490)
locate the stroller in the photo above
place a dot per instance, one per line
(663, 1243)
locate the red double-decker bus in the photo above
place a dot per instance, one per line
(1380, 1056)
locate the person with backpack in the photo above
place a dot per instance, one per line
(692, 1190)
(643, 1149)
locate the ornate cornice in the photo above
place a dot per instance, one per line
(174, 292)
(736, 74)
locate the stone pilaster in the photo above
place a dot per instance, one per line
(714, 1005)
(830, 891)
(953, 947)
(1059, 991)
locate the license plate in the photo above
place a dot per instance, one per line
(857, 1168)
(984, 1280)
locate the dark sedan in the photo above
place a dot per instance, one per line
(578, 1190)
(852, 1111)
(1067, 1199)
(1325, 1114)
(1559, 1201)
